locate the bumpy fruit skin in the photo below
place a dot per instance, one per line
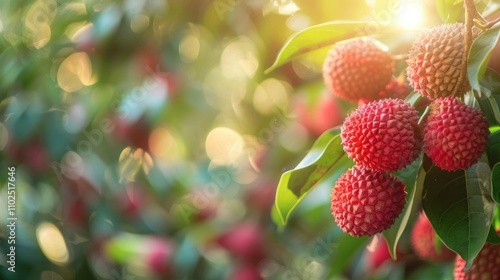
(382, 135)
(423, 240)
(486, 265)
(366, 202)
(435, 62)
(356, 69)
(455, 135)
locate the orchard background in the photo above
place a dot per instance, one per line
(157, 139)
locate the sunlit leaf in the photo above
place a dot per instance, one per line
(460, 207)
(320, 36)
(479, 55)
(123, 247)
(450, 11)
(326, 158)
(409, 177)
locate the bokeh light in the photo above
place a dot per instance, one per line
(52, 243)
(75, 72)
(224, 145)
(412, 15)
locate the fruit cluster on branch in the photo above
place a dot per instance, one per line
(384, 134)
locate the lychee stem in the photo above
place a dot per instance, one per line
(470, 13)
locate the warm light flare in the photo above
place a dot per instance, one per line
(411, 16)
(52, 243)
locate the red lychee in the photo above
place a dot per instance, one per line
(382, 135)
(245, 241)
(486, 265)
(358, 68)
(455, 135)
(160, 256)
(435, 62)
(366, 202)
(423, 240)
(320, 116)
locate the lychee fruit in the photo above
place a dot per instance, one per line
(382, 135)
(160, 256)
(366, 202)
(485, 266)
(245, 241)
(324, 113)
(435, 62)
(455, 135)
(358, 68)
(423, 240)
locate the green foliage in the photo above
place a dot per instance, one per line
(318, 37)
(326, 159)
(460, 207)
(479, 55)
(450, 11)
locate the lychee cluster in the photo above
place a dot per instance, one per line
(384, 135)
(381, 137)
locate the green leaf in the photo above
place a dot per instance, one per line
(450, 11)
(347, 247)
(123, 247)
(326, 158)
(495, 182)
(479, 55)
(460, 207)
(493, 148)
(320, 36)
(493, 236)
(409, 177)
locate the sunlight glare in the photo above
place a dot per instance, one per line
(411, 16)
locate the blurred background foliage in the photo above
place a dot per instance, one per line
(148, 142)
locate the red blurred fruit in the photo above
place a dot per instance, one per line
(135, 132)
(130, 201)
(380, 254)
(245, 241)
(32, 154)
(160, 256)
(423, 239)
(486, 265)
(261, 196)
(246, 272)
(324, 114)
